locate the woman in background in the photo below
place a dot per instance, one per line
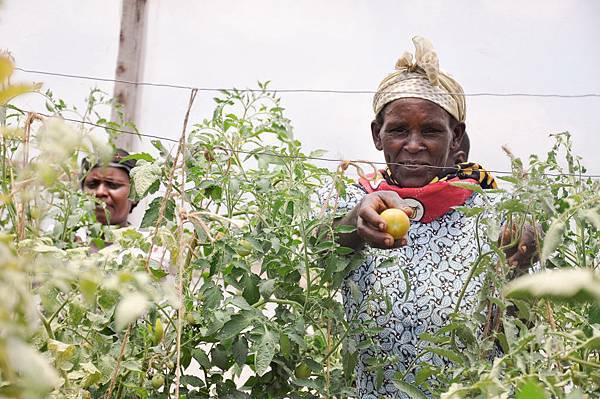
(110, 184)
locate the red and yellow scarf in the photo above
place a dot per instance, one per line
(439, 196)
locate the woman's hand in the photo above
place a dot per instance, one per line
(370, 226)
(524, 253)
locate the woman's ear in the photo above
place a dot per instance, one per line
(375, 129)
(457, 135)
(460, 157)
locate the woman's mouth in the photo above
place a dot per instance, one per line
(102, 208)
(414, 165)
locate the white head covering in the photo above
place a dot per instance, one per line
(421, 79)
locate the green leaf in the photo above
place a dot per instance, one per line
(592, 216)
(251, 292)
(344, 229)
(424, 373)
(468, 186)
(240, 351)
(201, 357)
(265, 350)
(266, 288)
(129, 309)
(553, 238)
(564, 284)
(220, 357)
(530, 390)
(469, 211)
(407, 388)
(133, 365)
(448, 354)
(510, 179)
(141, 155)
(235, 325)
(594, 313)
(151, 215)
(144, 175)
(344, 251)
(35, 370)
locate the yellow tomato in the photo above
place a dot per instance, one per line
(397, 222)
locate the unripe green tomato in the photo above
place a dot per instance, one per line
(244, 248)
(190, 318)
(170, 365)
(159, 332)
(158, 381)
(302, 371)
(35, 212)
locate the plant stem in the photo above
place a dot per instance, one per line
(584, 362)
(113, 380)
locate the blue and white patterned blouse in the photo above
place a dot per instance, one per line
(436, 260)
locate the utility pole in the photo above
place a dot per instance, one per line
(129, 64)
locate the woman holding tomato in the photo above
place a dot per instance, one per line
(419, 126)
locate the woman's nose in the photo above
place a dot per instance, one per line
(101, 191)
(413, 143)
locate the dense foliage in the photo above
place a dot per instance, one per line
(231, 287)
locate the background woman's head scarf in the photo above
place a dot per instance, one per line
(117, 161)
(421, 79)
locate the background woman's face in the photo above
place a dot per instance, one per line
(111, 186)
(416, 133)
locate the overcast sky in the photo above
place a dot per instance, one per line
(489, 46)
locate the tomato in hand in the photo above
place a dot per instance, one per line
(397, 222)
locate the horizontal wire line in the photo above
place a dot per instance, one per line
(325, 91)
(303, 157)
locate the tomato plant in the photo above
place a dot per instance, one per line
(243, 299)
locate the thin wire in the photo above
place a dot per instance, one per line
(109, 128)
(498, 172)
(329, 91)
(304, 157)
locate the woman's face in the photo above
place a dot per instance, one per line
(111, 186)
(416, 133)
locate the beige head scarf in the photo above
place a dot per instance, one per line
(421, 79)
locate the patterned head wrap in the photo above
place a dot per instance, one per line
(421, 79)
(116, 162)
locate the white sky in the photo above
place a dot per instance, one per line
(489, 46)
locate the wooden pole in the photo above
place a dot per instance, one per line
(129, 65)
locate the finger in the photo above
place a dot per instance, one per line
(527, 248)
(393, 200)
(408, 210)
(518, 261)
(505, 236)
(400, 242)
(370, 216)
(372, 236)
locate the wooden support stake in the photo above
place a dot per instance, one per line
(129, 64)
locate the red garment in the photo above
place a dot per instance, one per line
(428, 202)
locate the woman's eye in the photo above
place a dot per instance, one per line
(91, 184)
(114, 186)
(398, 130)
